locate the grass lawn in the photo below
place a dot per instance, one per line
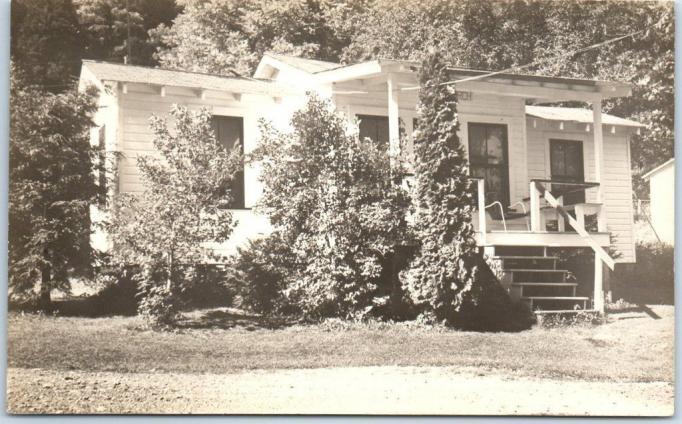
(632, 346)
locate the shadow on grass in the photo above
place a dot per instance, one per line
(640, 308)
(84, 307)
(228, 319)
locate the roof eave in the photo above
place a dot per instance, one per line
(657, 169)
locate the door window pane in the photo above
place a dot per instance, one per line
(494, 148)
(574, 160)
(477, 143)
(488, 159)
(558, 159)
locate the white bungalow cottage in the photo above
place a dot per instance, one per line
(546, 176)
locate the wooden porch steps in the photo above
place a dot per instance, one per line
(534, 277)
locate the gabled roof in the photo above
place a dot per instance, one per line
(574, 114)
(307, 65)
(105, 71)
(659, 168)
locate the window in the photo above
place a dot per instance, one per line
(566, 165)
(488, 159)
(229, 131)
(102, 157)
(375, 128)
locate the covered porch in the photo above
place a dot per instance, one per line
(513, 207)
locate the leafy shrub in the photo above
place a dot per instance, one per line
(651, 280)
(207, 287)
(118, 295)
(334, 201)
(163, 232)
(575, 319)
(259, 273)
(621, 305)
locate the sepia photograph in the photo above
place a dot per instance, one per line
(340, 207)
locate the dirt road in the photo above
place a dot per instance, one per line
(366, 390)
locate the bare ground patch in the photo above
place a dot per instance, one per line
(366, 390)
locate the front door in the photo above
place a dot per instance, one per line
(488, 160)
(566, 158)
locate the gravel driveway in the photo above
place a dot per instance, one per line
(366, 390)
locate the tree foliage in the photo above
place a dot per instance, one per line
(165, 231)
(220, 36)
(496, 35)
(332, 200)
(46, 42)
(52, 186)
(118, 28)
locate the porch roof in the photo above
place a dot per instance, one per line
(376, 71)
(574, 114)
(659, 168)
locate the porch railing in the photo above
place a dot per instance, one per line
(536, 210)
(580, 209)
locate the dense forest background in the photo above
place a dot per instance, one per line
(50, 37)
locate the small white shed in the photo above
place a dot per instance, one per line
(662, 195)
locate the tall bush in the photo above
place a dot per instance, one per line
(164, 230)
(333, 201)
(441, 276)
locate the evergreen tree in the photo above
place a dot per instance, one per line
(165, 231)
(52, 185)
(46, 42)
(442, 275)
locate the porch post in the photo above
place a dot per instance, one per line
(393, 118)
(535, 219)
(599, 163)
(598, 284)
(482, 224)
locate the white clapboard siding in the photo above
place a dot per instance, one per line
(135, 138)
